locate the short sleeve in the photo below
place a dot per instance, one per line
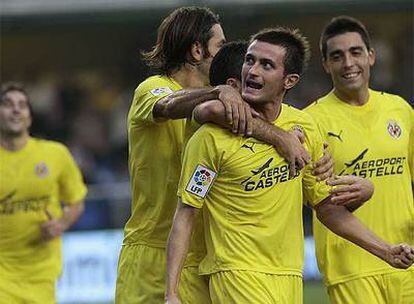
(200, 167)
(314, 191)
(71, 186)
(146, 95)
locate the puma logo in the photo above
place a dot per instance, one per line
(331, 134)
(249, 147)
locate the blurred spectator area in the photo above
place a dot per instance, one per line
(80, 62)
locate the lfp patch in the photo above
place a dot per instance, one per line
(201, 181)
(41, 170)
(394, 129)
(159, 91)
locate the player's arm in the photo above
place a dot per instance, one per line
(180, 104)
(342, 222)
(53, 227)
(287, 144)
(177, 247)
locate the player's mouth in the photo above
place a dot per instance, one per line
(15, 120)
(351, 75)
(253, 86)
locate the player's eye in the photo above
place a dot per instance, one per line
(249, 60)
(267, 66)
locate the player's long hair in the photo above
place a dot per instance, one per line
(341, 25)
(176, 34)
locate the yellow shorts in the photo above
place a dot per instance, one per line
(246, 287)
(141, 275)
(22, 291)
(395, 288)
(193, 287)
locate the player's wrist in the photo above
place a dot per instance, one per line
(384, 251)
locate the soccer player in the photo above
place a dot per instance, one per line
(187, 41)
(36, 176)
(371, 135)
(252, 209)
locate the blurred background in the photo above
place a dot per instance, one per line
(79, 60)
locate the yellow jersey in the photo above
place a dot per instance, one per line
(374, 141)
(32, 180)
(154, 164)
(252, 210)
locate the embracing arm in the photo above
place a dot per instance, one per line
(285, 143)
(342, 222)
(177, 247)
(180, 104)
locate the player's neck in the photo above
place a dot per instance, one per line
(269, 111)
(354, 98)
(189, 77)
(13, 143)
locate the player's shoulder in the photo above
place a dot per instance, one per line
(391, 100)
(300, 116)
(321, 105)
(157, 85)
(212, 130)
(51, 146)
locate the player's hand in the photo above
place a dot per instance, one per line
(324, 167)
(299, 134)
(52, 228)
(350, 191)
(400, 256)
(238, 112)
(290, 148)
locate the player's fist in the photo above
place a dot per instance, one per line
(52, 228)
(400, 256)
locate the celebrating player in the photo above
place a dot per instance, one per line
(187, 41)
(252, 209)
(371, 135)
(36, 176)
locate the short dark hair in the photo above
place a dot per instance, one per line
(177, 32)
(296, 45)
(15, 86)
(341, 25)
(228, 62)
(12, 86)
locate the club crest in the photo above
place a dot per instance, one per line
(41, 170)
(394, 129)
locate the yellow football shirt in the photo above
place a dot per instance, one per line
(253, 211)
(371, 141)
(154, 164)
(33, 179)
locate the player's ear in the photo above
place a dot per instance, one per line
(197, 51)
(235, 83)
(325, 65)
(290, 81)
(371, 56)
